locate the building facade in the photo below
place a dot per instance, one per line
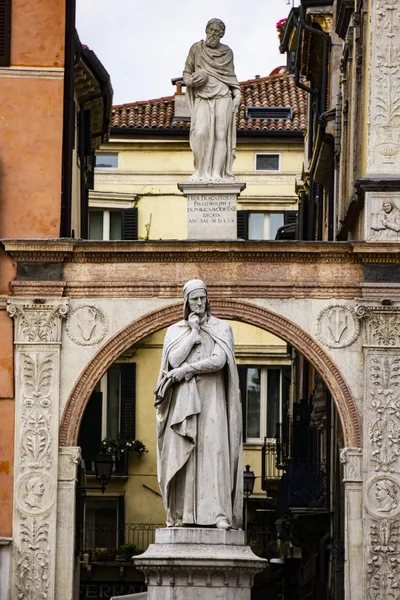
(73, 308)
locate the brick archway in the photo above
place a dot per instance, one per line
(226, 309)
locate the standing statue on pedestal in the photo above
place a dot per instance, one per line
(213, 94)
(199, 423)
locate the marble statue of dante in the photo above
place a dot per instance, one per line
(199, 423)
(213, 94)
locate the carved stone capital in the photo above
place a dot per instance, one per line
(69, 458)
(351, 458)
(381, 325)
(37, 321)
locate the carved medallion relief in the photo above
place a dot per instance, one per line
(337, 326)
(86, 325)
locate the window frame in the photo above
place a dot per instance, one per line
(264, 402)
(104, 168)
(106, 222)
(278, 154)
(267, 223)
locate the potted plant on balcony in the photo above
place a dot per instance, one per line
(280, 27)
(128, 551)
(120, 445)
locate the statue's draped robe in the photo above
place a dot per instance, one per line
(199, 431)
(210, 103)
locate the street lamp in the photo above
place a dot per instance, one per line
(248, 481)
(248, 487)
(103, 466)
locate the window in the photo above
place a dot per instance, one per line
(107, 161)
(269, 112)
(264, 393)
(267, 162)
(107, 224)
(262, 225)
(5, 32)
(110, 412)
(102, 522)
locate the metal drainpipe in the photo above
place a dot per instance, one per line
(68, 120)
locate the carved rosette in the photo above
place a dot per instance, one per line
(86, 325)
(37, 334)
(337, 326)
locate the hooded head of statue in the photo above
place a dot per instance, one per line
(191, 286)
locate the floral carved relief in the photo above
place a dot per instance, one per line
(385, 73)
(32, 566)
(384, 411)
(37, 322)
(36, 413)
(381, 325)
(383, 567)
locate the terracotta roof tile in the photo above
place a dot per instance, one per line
(274, 90)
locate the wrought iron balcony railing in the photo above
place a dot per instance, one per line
(112, 537)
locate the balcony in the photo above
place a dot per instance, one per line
(344, 10)
(110, 544)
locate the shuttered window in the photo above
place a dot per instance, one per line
(90, 431)
(130, 224)
(243, 224)
(5, 32)
(128, 400)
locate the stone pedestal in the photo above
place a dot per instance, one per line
(211, 209)
(199, 563)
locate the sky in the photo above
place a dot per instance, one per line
(143, 44)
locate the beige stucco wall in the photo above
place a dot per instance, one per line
(148, 172)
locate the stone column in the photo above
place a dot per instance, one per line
(353, 515)
(68, 461)
(381, 330)
(211, 209)
(37, 337)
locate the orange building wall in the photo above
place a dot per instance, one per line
(6, 465)
(31, 128)
(37, 33)
(31, 152)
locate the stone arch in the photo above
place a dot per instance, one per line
(226, 309)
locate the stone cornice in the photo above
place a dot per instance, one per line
(77, 251)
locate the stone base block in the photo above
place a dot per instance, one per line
(200, 564)
(211, 209)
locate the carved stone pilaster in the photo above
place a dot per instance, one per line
(37, 336)
(383, 152)
(68, 460)
(381, 334)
